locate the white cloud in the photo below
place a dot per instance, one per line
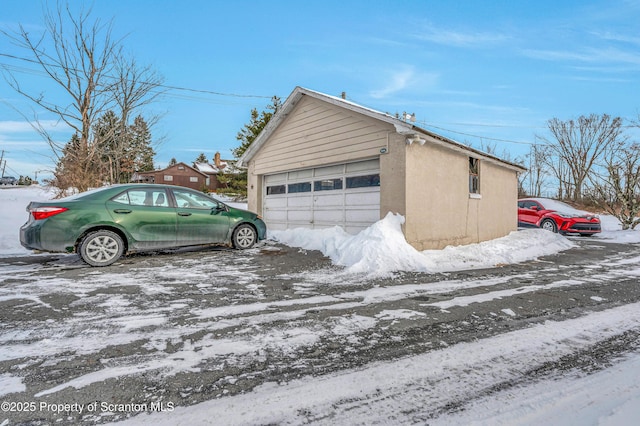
(405, 78)
(606, 55)
(609, 36)
(398, 81)
(461, 39)
(24, 126)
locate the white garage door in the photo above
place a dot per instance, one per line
(346, 195)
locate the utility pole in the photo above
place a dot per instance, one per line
(1, 158)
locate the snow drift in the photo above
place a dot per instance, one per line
(382, 248)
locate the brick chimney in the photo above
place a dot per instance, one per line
(216, 159)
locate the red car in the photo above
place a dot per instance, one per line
(556, 216)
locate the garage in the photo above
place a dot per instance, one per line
(324, 161)
(345, 195)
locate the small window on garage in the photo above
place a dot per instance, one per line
(299, 187)
(327, 184)
(276, 189)
(363, 181)
(193, 179)
(168, 178)
(474, 175)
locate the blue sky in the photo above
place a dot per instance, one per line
(480, 72)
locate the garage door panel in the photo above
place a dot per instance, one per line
(300, 201)
(278, 226)
(328, 171)
(364, 166)
(279, 178)
(275, 202)
(354, 208)
(360, 198)
(329, 200)
(328, 216)
(300, 216)
(277, 215)
(368, 216)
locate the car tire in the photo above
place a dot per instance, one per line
(101, 248)
(244, 237)
(549, 225)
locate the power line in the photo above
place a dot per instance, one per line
(10, 67)
(478, 136)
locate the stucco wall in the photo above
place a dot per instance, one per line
(439, 209)
(393, 183)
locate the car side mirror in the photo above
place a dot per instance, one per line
(534, 208)
(219, 208)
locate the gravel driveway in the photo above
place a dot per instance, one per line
(163, 330)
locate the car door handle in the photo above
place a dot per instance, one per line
(184, 214)
(122, 211)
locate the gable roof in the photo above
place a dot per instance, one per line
(206, 168)
(401, 126)
(173, 167)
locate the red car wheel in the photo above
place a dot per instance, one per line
(549, 225)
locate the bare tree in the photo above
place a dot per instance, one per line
(577, 146)
(132, 87)
(80, 56)
(617, 188)
(548, 155)
(537, 170)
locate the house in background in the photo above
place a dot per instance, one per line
(200, 176)
(322, 161)
(178, 174)
(212, 171)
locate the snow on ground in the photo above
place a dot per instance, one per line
(375, 393)
(378, 250)
(609, 397)
(382, 249)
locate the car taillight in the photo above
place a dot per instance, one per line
(40, 213)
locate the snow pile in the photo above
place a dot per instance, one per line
(382, 249)
(612, 231)
(13, 214)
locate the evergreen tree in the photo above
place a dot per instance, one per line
(140, 148)
(258, 122)
(124, 149)
(235, 180)
(110, 144)
(70, 163)
(202, 158)
(173, 162)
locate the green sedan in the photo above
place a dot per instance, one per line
(103, 224)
